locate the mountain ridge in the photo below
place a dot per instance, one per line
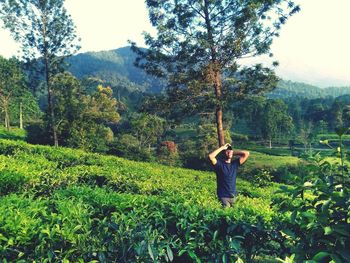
(117, 66)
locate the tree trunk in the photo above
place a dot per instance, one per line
(20, 116)
(213, 75)
(219, 126)
(7, 117)
(219, 112)
(50, 103)
(52, 121)
(270, 144)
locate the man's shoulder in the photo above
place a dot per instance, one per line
(218, 163)
(236, 162)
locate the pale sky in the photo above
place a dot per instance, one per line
(314, 45)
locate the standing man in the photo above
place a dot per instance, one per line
(226, 172)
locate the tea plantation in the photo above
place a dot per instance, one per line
(64, 205)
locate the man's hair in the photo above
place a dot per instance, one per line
(229, 148)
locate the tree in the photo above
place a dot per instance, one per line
(68, 104)
(46, 31)
(267, 118)
(147, 129)
(275, 120)
(198, 45)
(81, 119)
(11, 85)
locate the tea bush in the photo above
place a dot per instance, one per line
(61, 204)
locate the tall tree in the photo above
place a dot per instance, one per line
(198, 45)
(45, 30)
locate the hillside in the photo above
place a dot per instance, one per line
(67, 205)
(114, 67)
(288, 89)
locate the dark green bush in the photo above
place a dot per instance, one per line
(37, 133)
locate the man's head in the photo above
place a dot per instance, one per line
(229, 152)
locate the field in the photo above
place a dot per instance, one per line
(71, 206)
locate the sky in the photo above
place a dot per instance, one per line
(313, 47)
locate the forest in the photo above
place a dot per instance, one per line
(104, 155)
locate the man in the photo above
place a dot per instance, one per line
(226, 172)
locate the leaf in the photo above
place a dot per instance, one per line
(170, 253)
(308, 184)
(2, 237)
(235, 245)
(320, 256)
(293, 216)
(78, 227)
(308, 215)
(192, 255)
(328, 230)
(215, 235)
(288, 233)
(150, 252)
(325, 206)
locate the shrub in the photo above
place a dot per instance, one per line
(11, 181)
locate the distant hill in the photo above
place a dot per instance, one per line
(114, 67)
(287, 89)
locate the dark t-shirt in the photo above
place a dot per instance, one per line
(226, 177)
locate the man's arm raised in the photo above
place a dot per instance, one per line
(243, 156)
(213, 154)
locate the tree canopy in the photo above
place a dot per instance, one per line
(199, 43)
(46, 32)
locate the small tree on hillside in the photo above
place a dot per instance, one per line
(147, 129)
(198, 45)
(81, 119)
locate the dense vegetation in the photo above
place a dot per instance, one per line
(66, 204)
(124, 195)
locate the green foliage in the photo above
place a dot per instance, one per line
(80, 206)
(259, 176)
(13, 134)
(202, 71)
(14, 94)
(147, 129)
(268, 119)
(287, 89)
(318, 226)
(81, 119)
(49, 36)
(11, 182)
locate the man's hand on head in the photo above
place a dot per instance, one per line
(226, 146)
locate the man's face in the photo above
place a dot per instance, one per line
(229, 154)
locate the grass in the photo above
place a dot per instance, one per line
(257, 159)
